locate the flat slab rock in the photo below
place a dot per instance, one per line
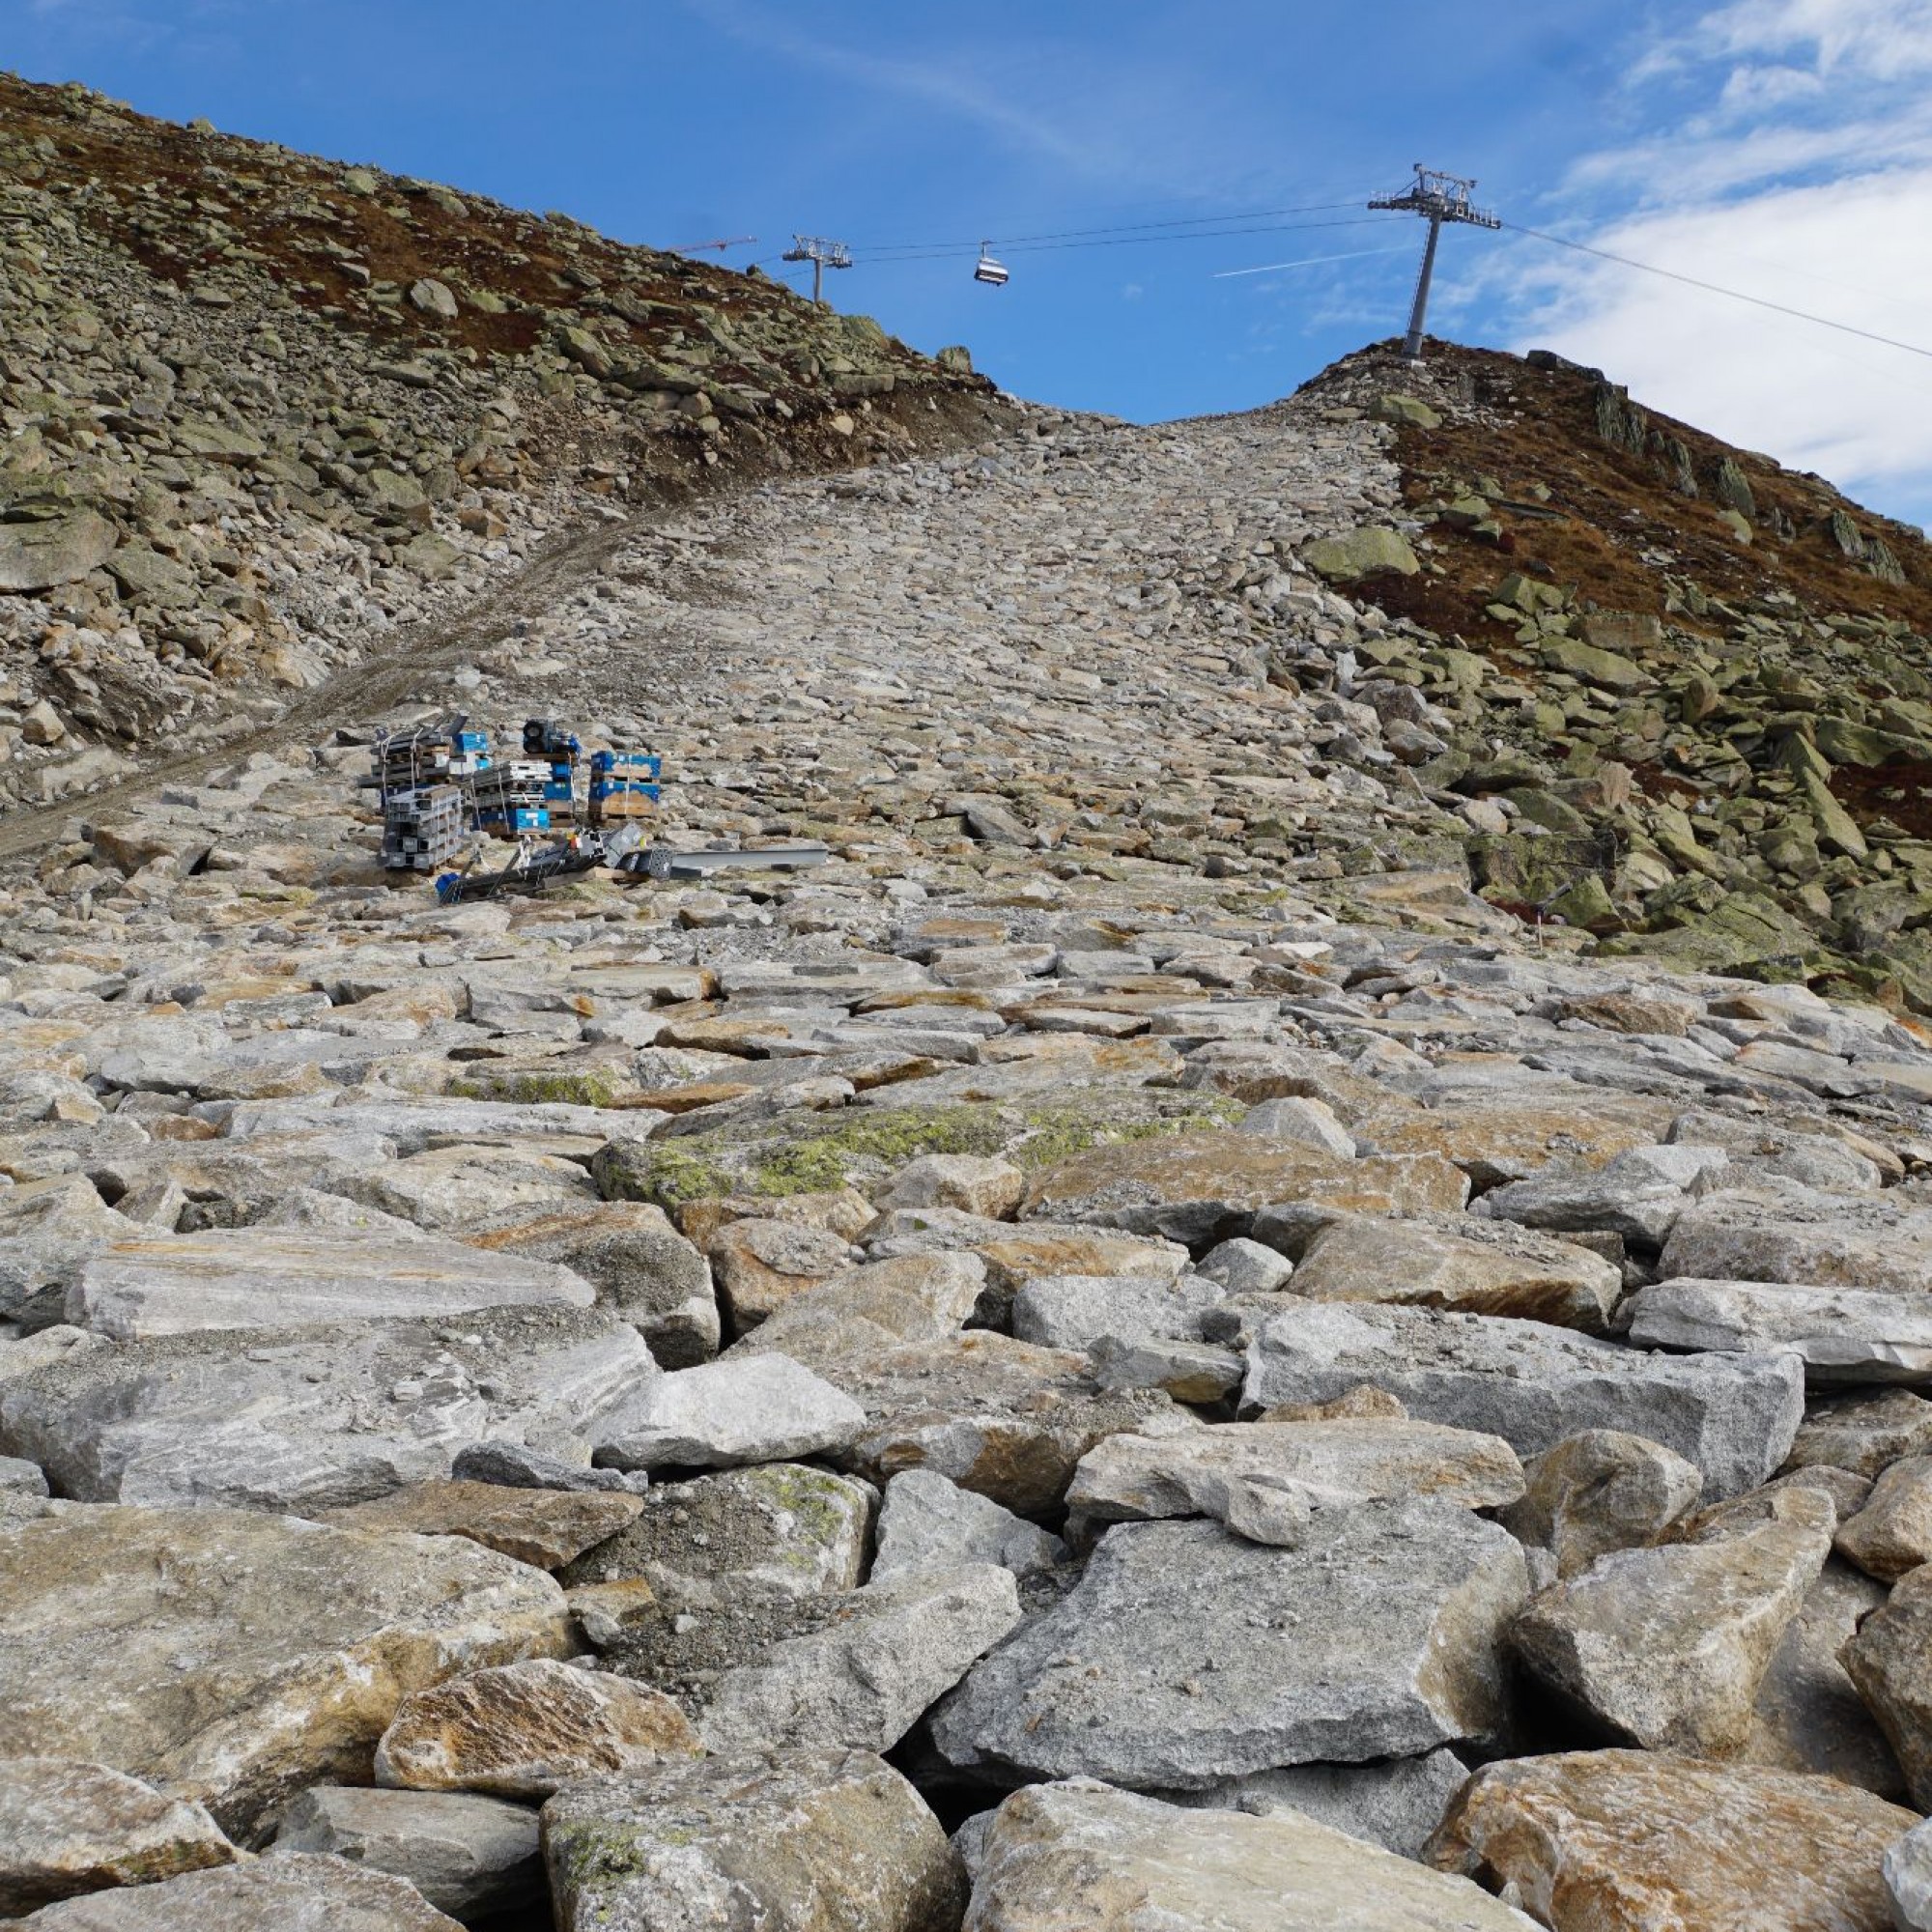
(1479, 1267)
(293, 1892)
(231, 1656)
(68, 1828)
(1228, 1470)
(1202, 1188)
(542, 1528)
(1083, 1853)
(809, 1840)
(1734, 1416)
(1639, 1842)
(742, 1408)
(1000, 1417)
(292, 1278)
(1186, 1656)
(320, 1417)
(1795, 1235)
(1841, 1334)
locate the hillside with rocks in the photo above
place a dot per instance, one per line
(1290, 1292)
(268, 419)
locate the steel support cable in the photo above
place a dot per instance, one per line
(1712, 288)
(879, 248)
(954, 252)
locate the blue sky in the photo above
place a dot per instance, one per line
(1779, 146)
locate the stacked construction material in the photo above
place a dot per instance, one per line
(423, 829)
(559, 750)
(436, 754)
(623, 784)
(509, 797)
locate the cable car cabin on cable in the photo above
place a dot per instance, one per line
(995, 275)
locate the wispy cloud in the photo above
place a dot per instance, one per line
(958, 84)
(1782, 147)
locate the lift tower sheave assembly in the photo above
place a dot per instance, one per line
(822, 255)
(1441, 198)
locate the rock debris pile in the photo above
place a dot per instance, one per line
(1137, 1342)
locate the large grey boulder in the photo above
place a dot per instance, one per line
(926, 1523)
(1841, 1334)
(807, 1840)
(1073, 1311)
(1665, 1647)
(1241, 1473)
(880, 1659)
(1396, 1805)
(1186, 1656)
(1080, 1852)
(284, 1278)
(67, 1826)
(299, 1891)
(1640, 1194)
(467, 1856)
(231, 1656)
(40, 552)
(1734, 1416)
(47, 1230)
(315, 1417)
(742, 1408)
(1602, 1489)
(1794, 1234)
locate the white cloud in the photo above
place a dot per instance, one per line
(1788, 156)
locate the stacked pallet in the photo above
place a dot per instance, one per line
(623, 784)
(423, 828)
(438, 753)
(509, 798)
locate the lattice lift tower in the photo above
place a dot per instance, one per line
(822, 255)
(1441, 198)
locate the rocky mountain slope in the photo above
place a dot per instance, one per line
(1697, 686)
(267, 416)
(1190, 1323)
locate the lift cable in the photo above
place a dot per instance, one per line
(1712, 288)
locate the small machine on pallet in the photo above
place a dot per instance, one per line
(557, 750)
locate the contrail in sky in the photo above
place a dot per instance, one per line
(1268, 267)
